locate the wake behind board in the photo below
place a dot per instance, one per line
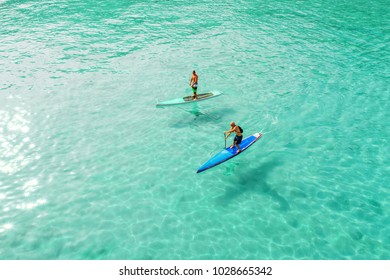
(188, 99)
(229, 153)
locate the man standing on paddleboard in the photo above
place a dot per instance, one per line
(237, 140)
(194, 84)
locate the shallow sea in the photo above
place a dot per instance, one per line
(91, 169)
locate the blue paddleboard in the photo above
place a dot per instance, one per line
(229, 153)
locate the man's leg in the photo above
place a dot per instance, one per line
(238, 147)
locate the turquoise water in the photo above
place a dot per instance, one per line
(91, 169)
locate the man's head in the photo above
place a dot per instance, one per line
(232, 124)
(193, 72)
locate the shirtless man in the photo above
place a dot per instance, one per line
(237, 140)
(194, 84)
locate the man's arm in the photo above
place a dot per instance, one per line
(229, 132)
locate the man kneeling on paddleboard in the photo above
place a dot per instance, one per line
(237, 140)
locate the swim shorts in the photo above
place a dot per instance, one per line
(238, 139)
(194, 87)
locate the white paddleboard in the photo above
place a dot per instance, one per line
(189, 99)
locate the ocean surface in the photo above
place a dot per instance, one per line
(91, 169)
